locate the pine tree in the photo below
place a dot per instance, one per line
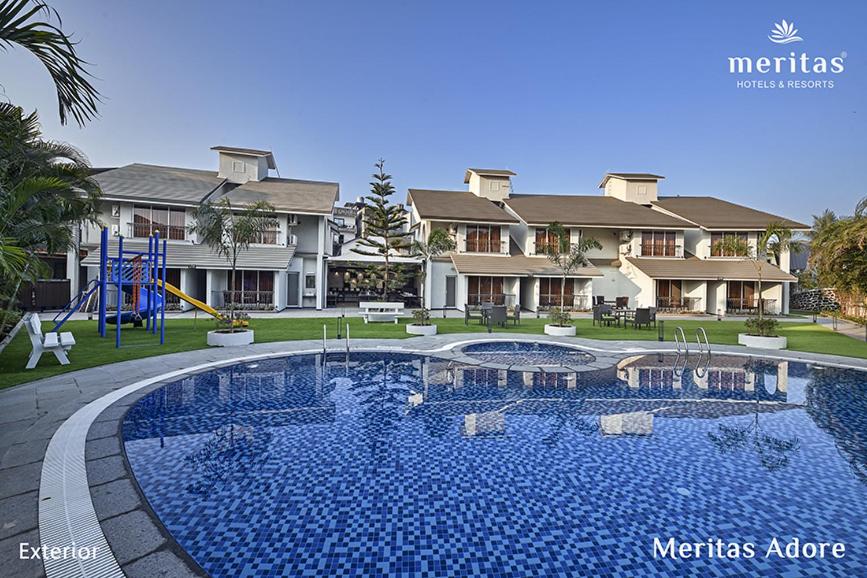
(385, 231)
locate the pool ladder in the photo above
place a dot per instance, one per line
(325, 339)
(683, 345)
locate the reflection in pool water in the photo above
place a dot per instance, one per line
(403, 465)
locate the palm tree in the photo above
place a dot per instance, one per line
(568, 256)
(438, 242)
(45, 191)
(230, 232)
(28, 24)
(772, 242)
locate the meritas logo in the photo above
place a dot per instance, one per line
(817, 68)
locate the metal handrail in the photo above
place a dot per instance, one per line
(347, 338)
(699, 333)
(701, 372)
(681, 341)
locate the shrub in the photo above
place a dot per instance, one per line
(421, 316)
(766, 327)
(559, 317)
(229, 321)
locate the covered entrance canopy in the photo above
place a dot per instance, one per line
(349, 276)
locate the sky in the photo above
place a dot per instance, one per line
(560, 93)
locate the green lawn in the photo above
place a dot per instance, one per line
(188, 334)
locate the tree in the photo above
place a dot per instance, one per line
(20, 24)
(438, 242)
(838, 254)
(772, 242)
(230, 232)
(568, 256)
(45, 191)
(385, 231)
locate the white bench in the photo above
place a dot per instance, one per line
(57, 343)
(384, 311)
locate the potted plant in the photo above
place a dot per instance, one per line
(421, 324)
(229, 232)
(232, 329)
(761, 330)
(561, 323)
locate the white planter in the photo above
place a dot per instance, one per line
(218, 339)
(568, 331)
(762, 342)
(414, 329)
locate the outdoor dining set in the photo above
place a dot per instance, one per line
(614, 313)
(490, 314)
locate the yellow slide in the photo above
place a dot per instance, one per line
(191, 300)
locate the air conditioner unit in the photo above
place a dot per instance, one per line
(115, 210)
(293, 220)
(625, 236)
(292, 239)
(453, 229)
(115, 230)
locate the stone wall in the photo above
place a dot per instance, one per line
(815, 300)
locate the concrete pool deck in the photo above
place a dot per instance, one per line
(33, 412)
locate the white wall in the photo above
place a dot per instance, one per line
(696, 290)
(642, 192)
(716, 297)
(435, 292)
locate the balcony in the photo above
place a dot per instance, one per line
(572, 302)
(145, 230)
(507, 299)
(661, 250)
(750, 306)
(678, 305)
(248, 300)
(485, 246)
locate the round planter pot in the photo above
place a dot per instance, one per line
(762, 342)
(568, 331)
(219, 339)
(414, 329)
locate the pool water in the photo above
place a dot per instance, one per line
(399, 465)
(527, 353)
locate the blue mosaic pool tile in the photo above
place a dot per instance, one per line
(396, 465)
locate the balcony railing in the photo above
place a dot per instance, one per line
(507, 299)
(752, 305)
(678, 305)
(252, 300)
(173, 232)
(476, 246)
(661, 250)
(573, 302)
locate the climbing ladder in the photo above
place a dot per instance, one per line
(82, 298)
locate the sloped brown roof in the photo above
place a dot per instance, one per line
(590, 211)
(713, 213)
(707, 269)
(456, 206)
(514, 266)
(291, 195)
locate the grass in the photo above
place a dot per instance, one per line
(188, 334)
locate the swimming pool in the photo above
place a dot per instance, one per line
(529, 353)
(396, 464)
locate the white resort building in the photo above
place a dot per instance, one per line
(286, 268)
(656, 250)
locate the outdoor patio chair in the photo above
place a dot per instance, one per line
(498, 315)
(652, 315)
(622, 302)
(605, 316)
(470, 313)
(598, 300)
(57, 343)
(515, 317)
(642, 317)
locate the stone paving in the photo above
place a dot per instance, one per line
(32, 412)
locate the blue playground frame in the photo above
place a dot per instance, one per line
(125, 271)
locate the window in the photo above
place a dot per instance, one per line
(659, 244)
(169, 221)
(310, 281)
(494, 186)
(717, 237)
(238, 166)
(549, 292)
(485, 290)
(483, 239)
(545, 240)
(668, 293)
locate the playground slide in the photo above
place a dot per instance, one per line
(191, 300)
(129, 316)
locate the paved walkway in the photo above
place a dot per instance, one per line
(846, 327)
(32, 412)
